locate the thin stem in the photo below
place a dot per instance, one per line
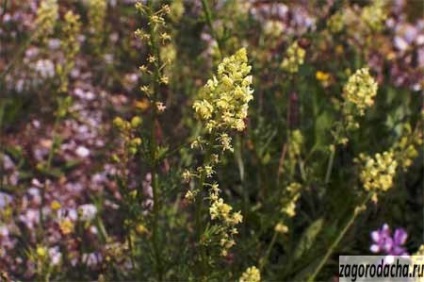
(48, 166)
(2, 110)
(264, 260)
(156, 244)
(330, 165)
(199, 208)
(209, 21)
(153, 151)
(336, 242)
(337, 135)
(131, 247)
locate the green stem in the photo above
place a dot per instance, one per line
(209, 21)
(264, 260)
(156, 244)
(336, 242)
(131, 247)
(198, 213)
(2, 110)
(154, 148)
(46, 169)
(330, 166)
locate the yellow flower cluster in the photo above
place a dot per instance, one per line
(374, 15)
(406, 148)
(221, 106)
(335, 23)
(378, 172)
(251, 274)
(273, 28)
(295, 144)
(66, 226)
(177, 10)
(323, 77)
(281, 228)
(41, 252)
(292, 194)
(360, 90)
(161, 55)
(223, 101)
(47, 15)
(96, 16)
(127, 128)
(70, 47)
(222, 212)
(294, 58)
(71, 31)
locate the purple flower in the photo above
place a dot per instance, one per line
(383, 242)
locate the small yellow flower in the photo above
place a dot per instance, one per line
(136, 122)
(141, 229)
(151, 59)
(281, 228)
(55, 205)
(41, 252)
(186, 176)
(209, 170)
(190, 196)
(165, 37)
(164, 80)
(66, 226)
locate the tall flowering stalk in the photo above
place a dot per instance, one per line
(358, 96)
(294, 58)
(70, 47)
(154, 74)
(96, 15)
(45, 22)
(221, 107)
(47, 15)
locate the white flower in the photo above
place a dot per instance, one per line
(82, 152)
(87, 212)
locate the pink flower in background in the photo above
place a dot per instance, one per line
(385, 243)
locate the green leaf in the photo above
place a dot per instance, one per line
(308, 238)
(323, 124)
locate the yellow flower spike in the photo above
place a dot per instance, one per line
(47, 15)
(96, 16)
(224, 98)
(360, 90)
(294, 58)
